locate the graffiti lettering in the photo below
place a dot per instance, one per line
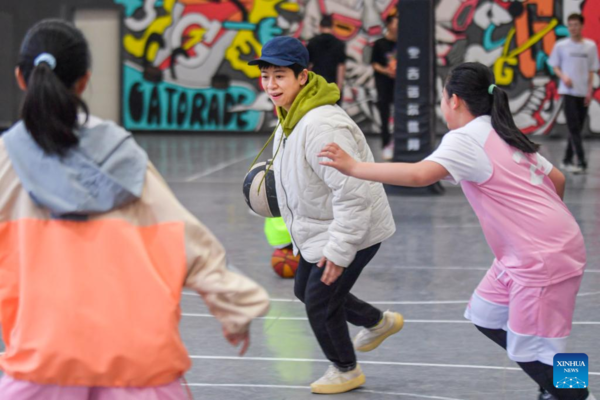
(156, 106)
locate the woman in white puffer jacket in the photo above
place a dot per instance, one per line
(337, 223)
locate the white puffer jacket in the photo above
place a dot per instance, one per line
(327, 213)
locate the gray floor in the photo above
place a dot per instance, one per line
(427, 271)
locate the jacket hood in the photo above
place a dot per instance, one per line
(317, 92)
(104, 171)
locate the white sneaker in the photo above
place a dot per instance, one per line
(369, 339)
(388, 152)
(575, 169)
(572, 168)
(335, 381)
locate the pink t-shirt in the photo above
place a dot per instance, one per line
(528, 227)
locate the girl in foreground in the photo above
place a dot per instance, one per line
(95, 248)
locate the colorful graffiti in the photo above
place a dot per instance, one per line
(358, 23)
(515, 38)
(185, 64)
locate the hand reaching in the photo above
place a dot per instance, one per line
(236, 338)
(340, 160)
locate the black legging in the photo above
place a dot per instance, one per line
(541, 373)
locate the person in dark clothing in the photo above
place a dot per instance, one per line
(383, 61)
(327, 54)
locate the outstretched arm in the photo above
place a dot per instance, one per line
(419, 174)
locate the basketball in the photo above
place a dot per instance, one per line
(284, 262)
(259, 190)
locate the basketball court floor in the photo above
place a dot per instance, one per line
(426, 271)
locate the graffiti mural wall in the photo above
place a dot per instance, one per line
(185, 61)
(515, 38)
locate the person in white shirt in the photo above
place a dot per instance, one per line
(575, 61)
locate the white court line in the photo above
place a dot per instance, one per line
(214, 169)
(388, 302)
(450, 226)
(400, 364)
(370, 302)
(587, 294)
(417, 321)
(411, 302)
(417, 302)
(424, 321)
(452, 268)
(242, 385)
(421, 396)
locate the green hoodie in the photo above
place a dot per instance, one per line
(316, 93)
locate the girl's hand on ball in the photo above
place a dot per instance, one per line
(236, 338)
(332, 272)
(340, 160)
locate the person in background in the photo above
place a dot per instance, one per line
(327, 55)
(575, 61)
(383, 60)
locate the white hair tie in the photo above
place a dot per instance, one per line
(45, 58)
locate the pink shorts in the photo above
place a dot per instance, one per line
(537, 320)
(12, 389)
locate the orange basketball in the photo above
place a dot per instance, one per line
(284, 262)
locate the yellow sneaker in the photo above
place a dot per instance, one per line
(335, 381)
(369, 339)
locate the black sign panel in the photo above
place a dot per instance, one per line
(414, 108)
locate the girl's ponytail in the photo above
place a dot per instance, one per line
(474, 83)
(504, 124)
(53, 57)
(50, 110)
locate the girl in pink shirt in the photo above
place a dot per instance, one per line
(525, 302)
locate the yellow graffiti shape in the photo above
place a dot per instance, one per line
(194, 37)
(243, 44)
(503, 70)
(135, 46)
(503, 67)
(291, 7)
(263, 9)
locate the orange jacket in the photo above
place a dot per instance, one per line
(96, 302)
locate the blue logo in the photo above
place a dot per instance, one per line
(571, 370)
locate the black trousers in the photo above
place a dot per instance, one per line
(541, 373)
(575, 112)
(329, 308)
(384, 103)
